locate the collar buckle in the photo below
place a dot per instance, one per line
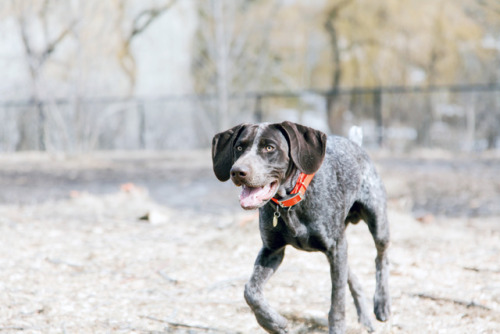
(290, 200)
(298, 192)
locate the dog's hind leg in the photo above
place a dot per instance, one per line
(382, 299)
(266, 265)
(373, 211)
(379, 228)
(359, 300)
(371, 207)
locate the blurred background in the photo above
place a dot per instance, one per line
(168, 74)
(112, 221)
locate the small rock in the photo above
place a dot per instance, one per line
(154, 217)
(425, 218)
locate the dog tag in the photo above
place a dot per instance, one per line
(275, 218)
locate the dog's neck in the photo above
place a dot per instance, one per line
(289, 183)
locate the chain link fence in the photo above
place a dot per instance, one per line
(457, 118)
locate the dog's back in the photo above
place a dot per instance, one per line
(268, 160)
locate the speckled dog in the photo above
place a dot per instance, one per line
(275, 164)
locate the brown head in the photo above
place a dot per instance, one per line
(261, 157)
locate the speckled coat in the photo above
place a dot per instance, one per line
(345, 189)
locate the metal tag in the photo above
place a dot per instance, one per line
(275, 218)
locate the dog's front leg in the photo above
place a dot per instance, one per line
(266, 265)
(337, 256)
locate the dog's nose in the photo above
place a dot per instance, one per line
(239, 172)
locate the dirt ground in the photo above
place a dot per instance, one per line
(76, 258)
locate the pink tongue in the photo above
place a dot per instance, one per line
(251, 197)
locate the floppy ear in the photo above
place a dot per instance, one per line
(222, 151)
(307, 146)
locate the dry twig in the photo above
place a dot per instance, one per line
(478, 270)
(166, 277)
(465, 303)
(195, 327)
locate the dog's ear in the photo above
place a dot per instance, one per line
(307, 146)
(222, 151)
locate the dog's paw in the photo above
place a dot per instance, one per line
(281, 326)
(366, 322)
(273, 322)
(382, 309)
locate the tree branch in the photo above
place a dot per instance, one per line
(52, 45)
(140, 24)
(187, 326)
(334, 11)
(24, 36)
(465, 303)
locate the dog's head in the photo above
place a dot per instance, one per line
(261, 157)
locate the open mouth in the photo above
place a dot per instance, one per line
(255, 197)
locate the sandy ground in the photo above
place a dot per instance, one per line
(75, 258)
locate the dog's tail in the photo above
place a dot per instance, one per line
(356, 135)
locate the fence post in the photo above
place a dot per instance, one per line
(41, 126)
(142, 125)
(470, 120)
(258, 108)
(377, 96)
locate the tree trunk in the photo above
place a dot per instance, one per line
(221, 66)
(335, 113)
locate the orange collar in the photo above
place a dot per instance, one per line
(298, 192)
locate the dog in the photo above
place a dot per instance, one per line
(308, 187)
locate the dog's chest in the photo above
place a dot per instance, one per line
(310, 243)
(305, 233)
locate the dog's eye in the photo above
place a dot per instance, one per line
(270, 148)
(239, 148)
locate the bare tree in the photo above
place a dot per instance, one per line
(221, 61)
(140, 23)
(232, 54)
(37, 57)
(335, 113)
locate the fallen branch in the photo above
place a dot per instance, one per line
(13, 328)
(165, 276)
(187, 326)
(465, 303)
(66, 263)
(476, 269)
(227, 282)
